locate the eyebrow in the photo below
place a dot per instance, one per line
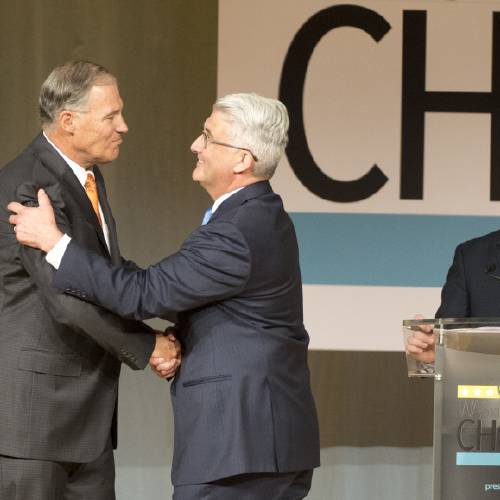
(113, 112)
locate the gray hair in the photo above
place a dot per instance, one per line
(67, 87)
(259, 124)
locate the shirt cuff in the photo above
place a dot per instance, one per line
(55, 256)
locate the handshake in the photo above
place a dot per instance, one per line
(166, 357)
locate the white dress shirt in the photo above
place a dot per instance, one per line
(57, 253)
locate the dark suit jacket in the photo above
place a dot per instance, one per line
(242, 399)
(471, 289)
(59, 357)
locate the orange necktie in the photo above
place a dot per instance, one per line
(91, 190)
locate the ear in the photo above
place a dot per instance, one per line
(66, 121)
(245, 164)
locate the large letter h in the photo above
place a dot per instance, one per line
(416, 101)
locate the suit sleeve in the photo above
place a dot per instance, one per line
(129, 341)
(213, 264)
(455, 302)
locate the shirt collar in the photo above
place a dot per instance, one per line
(224, 197)
(80, 172)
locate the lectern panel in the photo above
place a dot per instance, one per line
(468, 397)
(466, 372)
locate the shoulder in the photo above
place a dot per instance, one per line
(27, 172)
(474, 253)
(263, 217)
(257, 209)
(480, 243)
(220, 232)
(18, 170)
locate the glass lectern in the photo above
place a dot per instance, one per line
(466, 376)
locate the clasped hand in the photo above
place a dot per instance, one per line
(166, 357)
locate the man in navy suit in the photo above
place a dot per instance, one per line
(472, 289)
(245, 420)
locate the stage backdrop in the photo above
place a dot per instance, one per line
(376, 426)
(394, 154)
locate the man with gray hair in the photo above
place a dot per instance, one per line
(60, 357)
(245, 420)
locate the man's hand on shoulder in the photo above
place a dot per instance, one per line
(35, 226)
(166, 357)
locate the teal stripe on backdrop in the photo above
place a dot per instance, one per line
(477, 458)
(382, 249)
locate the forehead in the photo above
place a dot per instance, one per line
(218, 123)
(104, 98)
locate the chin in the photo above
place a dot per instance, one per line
(111, 157)
(197, 175)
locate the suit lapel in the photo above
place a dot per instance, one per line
(53, 162)
(114, 250)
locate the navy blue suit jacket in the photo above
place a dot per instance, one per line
(471, 288)
(242, 399)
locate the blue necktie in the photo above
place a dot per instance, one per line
(206, 217)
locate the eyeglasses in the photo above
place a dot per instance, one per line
(207, 140)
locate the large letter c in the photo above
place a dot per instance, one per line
(291, 94)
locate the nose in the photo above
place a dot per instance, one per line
(197, 146)
(122, 126)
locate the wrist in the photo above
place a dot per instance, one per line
(51, 241)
